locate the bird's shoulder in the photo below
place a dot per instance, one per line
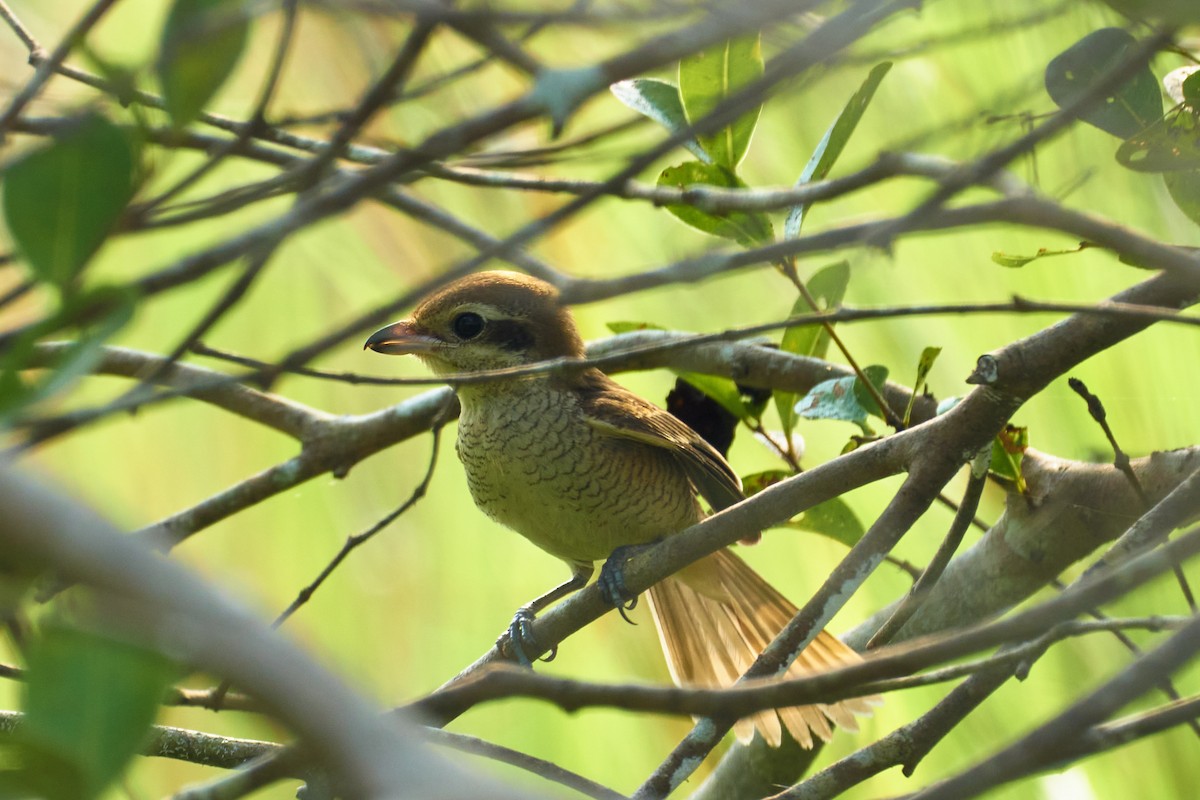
(613, 410)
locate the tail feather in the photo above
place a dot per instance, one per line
(713, 620)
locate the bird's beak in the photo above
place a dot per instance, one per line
(400, 339)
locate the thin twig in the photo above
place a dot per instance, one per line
(949, 546)
(1121, 462)
(47, 65)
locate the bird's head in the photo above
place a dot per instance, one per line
(489, 320)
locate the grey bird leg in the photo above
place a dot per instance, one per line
(612, 579)
(520, 630)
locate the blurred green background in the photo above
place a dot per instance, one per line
(430, 594)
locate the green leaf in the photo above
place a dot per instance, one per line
(1008, 449)
(1191, 89)
(1170, 144)
(748, 229)
(1184, 188)
(928, 356)
(723, 390)
(114, 307)
(877, 375)
(843, 398)
(199, 48)
(1173, 83)
(1071, 74)
(1008, 260)
(62, 200)
(626, 326)
(1172, 13)
(709, 77)
(833, 519)
(828, 287)
(660, 101)
(834, 142)
(89, 703)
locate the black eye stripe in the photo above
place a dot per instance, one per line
(511, 335)
(468, 325)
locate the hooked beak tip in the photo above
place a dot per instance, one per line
(400, 338)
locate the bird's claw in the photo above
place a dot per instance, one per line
(521, 640)
(612, 582)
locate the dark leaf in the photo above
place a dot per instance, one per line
(723, 391)
(1170, 144)
(1072, 73)
(703, 413)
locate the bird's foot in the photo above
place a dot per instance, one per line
(612, 580)
(519, 637)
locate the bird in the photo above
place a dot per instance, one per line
(582, 467)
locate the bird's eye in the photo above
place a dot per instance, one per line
(468, 325)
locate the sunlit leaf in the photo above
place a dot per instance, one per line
(63, 199)
(924, 365)
(1071, 75)
(1008, 449)
(834, 142)
(709, 77)
(627, 326)
(843, 399)
(89, 703)
(201, 44)
(1009, 260)
(749, 229)
(659, 101)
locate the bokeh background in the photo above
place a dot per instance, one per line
(430, 594)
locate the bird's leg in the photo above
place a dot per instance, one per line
(520, 630)
(612, 579)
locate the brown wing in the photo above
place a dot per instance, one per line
(618, 412)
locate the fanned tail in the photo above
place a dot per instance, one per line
(716, 616)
